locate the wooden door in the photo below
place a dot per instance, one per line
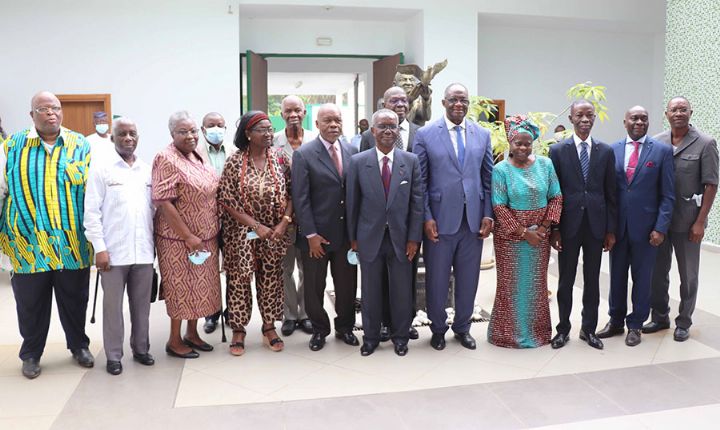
(78, 111)
(383, 75)
(257, 81)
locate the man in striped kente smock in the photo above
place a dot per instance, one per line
(44, 172)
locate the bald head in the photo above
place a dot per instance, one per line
(46, 113)
(397, 101)
(636, 122)
(329, 122)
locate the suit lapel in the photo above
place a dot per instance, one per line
(574, 157)
(447, 142)
(374, 173)
(594, 159)
(411, 136)
(398, 171)
(644, 154)
(689, 138)
(324, 157)
(345, 158)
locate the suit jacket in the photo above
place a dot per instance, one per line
(646, 203)
(318, 194)
(448, 187)
(369, 212)
(696, 164)
(597, 196)
(367, 140)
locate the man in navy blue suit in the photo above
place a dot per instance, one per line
(646, 194)
(456, 165)
(586, 170)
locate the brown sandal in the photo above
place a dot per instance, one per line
(276, 344)
(237, 348)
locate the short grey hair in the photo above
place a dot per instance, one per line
(177, 117)
(376, 116)
(122, 120)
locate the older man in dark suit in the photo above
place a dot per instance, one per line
(695, 157)
(385, 215)
(644, 172)
(586, 170)
(318, 177)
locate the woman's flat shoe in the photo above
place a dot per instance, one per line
(171, 353)
(205, 347)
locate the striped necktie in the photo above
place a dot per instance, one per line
(584, 159)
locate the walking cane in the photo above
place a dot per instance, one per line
(97, 281)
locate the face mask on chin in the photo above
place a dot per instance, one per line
(215, 135)
(101, 128)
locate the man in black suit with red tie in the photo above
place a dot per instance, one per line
(586, 170)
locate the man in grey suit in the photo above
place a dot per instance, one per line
(292, 110)
(318, 189)
(695, 157)
(397, 101)
(385, 215)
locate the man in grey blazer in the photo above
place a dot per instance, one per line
(385, 215)
(695, 157)
(318, 190)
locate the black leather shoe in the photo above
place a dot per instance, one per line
(633, 337)
(317, 341)
(348, 338)
(205, 347)
(144, 359)
(210, 325)
(559, 340)
(591, 339)
(610, 330)
(413, 333)
(113, 367)
(191, 354)
(681, 334)
(31, 368)
(466, 340)
(437, 341)
(401, 349)
(306, 325)
(367, 349)
(83, 357)
(384, 333)
(653, 327)
(288, 327)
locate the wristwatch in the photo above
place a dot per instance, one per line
(288, 219)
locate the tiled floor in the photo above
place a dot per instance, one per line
(659, 384)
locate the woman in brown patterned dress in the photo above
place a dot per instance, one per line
(187, 223)
(254, 194)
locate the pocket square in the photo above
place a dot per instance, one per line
(650, 164)
(403, 182)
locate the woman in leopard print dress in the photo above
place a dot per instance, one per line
(254, 193)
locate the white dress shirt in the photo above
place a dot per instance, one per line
(381, 155)
(328, 145)
(119, 211)
(101, 148)
(578, 145)
(453, 134)
(630, 148)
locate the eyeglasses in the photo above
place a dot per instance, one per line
(48, 109)
(184, 133)
(679, 110)
(386, 127)
(464, 102)
(263, 130)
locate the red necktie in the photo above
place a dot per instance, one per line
(336, 158)
(385, 174)
(632, 164)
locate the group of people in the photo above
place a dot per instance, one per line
(276, 201)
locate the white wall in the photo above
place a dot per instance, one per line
(153, 57)
(533, 67)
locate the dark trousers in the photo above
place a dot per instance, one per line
(639, 257)
(386, 265)
(386, 317)
(344, 277)
(33, 295)
(568, 260)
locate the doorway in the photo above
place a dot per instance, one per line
(78, 110)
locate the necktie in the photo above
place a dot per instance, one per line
(336, 158)
(584, 159)
(460, 145)
(399, 141)
(385, 174)
(632, 164)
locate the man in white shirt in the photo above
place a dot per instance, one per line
(119, 223)
(100, 143)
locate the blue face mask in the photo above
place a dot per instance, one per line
(215, 135)
(352, 257)
(101, 128)
(199, 257)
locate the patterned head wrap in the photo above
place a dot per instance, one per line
(256, 119)
(516, 124)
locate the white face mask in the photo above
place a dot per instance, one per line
(215, 135)
(101, 128)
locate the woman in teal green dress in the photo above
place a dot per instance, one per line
(526, 199)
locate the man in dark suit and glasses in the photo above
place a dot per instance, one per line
(385, 217)
(318, 190)
(586, 170)
(397, 101)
